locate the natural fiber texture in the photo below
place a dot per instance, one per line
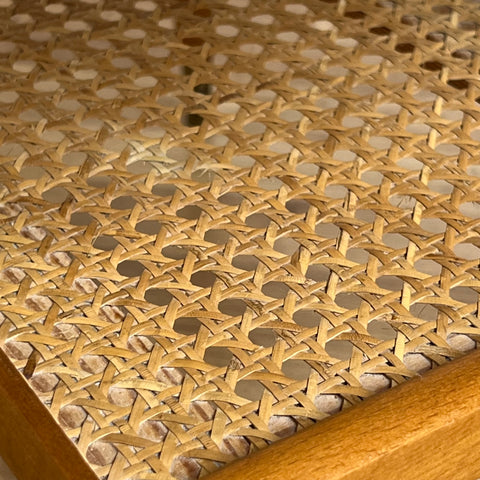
(223, 221)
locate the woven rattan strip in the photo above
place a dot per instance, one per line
(224, 221)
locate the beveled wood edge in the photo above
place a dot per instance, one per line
(425, 429)
(32, 444)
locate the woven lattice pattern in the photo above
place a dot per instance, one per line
(223, 221)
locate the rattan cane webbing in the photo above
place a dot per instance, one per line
(224, 221)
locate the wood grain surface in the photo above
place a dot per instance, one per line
(425, 429)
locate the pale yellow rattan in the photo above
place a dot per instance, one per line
(224, 221)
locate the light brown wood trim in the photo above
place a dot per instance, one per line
(31, 442)
(425, 429)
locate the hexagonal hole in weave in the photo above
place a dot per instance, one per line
(340, 349)
(110, 15)
(417, 362)
(461, 342)
(218, 356)
(101, 453)
(348, 300)
(380, 143)
(458, 84)
(40, 36)
(175, 252)
(313, 53)
(297, 206)
(467, 251)
(265, 19)
(372, 177)
(434, 225)
(473, 170)
(327, 230)
(380, 30)
(105, 242)
(153, 430)
(170, 375)
(185, 468)
(317, 135)
(240, 77)
(245, 262)
(167, 23)
(231, 198)
(468, 25)
(228, 108)
(232, 306)
(318, 273)
(328, 403)
(32, 172)
(122, 397)
(74, 158)
(17, 350)
(368, 216)
(428, 266)
(72, 416)
(464, 294)
(395, 240)
(124, 202)
(187, 325)
(139, 344)
(424, 311)
(44, 382)
(249, 389)
(410, 163)
(296, 369)
(447, 149)
(93, 363)
(257, 220)
(270, 183)
(81, 218)
(390, 282)
(344, 155)
(463, 53)
(354, 14)
(405, 202)
(130, 268)
(219, 237)
(470, 209)
(254, 128)
(351, 121)
(203, 279)
(164, 189)
(149, 227)
(158, 296)
(374, 382)
(122, 63)
(291, 115)
(285, 245)
(55, 195)
(436, 36)
(265, 337)
(190, 212)
(65, 331)
(275, 289)
(244, 161)
(381, 330)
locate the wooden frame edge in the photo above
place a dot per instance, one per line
(32, 444)
(427, 428)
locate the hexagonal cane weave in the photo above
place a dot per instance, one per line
(222, 221)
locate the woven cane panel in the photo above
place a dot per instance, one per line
(224, 221)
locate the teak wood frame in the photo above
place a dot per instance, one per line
(425, 429)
